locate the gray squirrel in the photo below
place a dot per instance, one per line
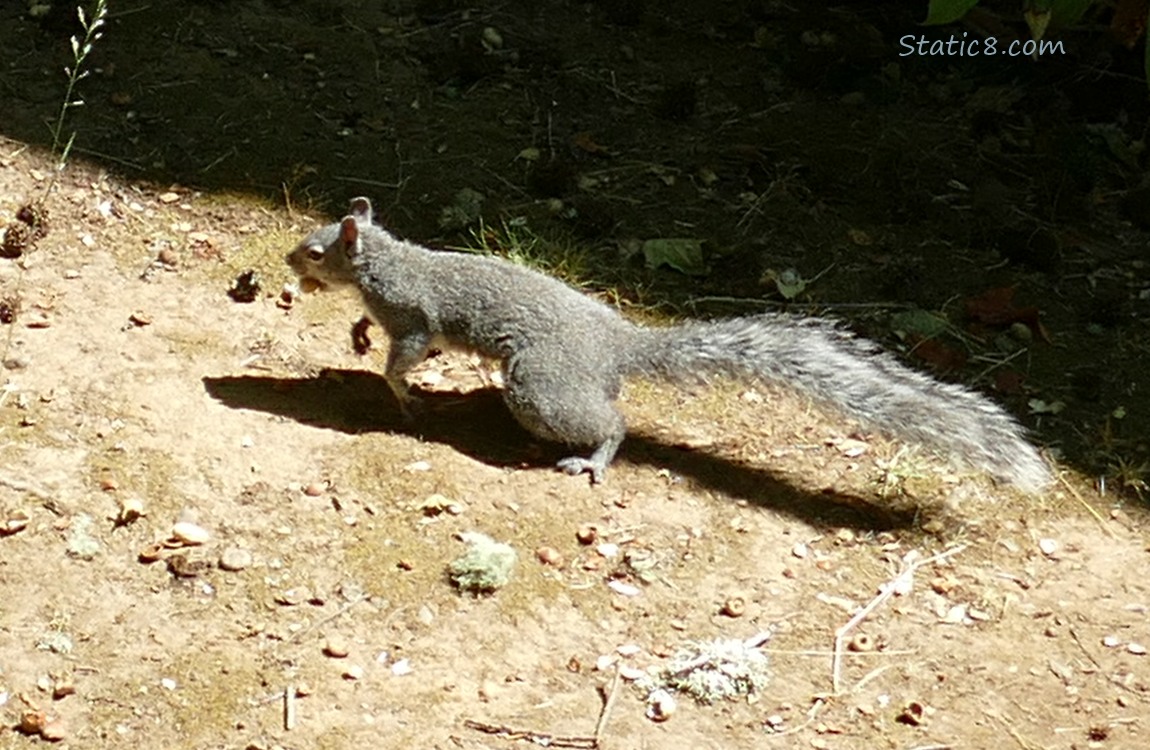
(564, 355)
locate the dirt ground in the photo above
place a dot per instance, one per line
(820, 171)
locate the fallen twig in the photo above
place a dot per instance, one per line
(539, 738)
(811, 714)
(289, 707)
(609, 696)
(886, 591)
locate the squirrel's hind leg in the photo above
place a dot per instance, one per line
(566, 402)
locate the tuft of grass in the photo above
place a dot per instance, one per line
(515, 241)
(81, 48)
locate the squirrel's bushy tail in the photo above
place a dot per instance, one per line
(828, 363)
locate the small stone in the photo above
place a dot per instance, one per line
(63, 687)
(587, 533)
(32, 721)
(189, 533)
(54, 730)
(354, 672)
(131, 509)
(336, 647)
(1048, 546)
(549, 556)
(37, 319)
(623, 588)
(16, 521)
(314, 489)
(1136, 648)
(235, 559)
(168, 257)
(17, 362)
(292, 597)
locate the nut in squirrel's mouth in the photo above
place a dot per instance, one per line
(309, 284)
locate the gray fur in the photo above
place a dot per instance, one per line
(565, 354)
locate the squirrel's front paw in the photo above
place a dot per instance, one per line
(359, 339)
(575, 465)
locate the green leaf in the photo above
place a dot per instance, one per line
(683, 255)
(947, 11)
(920, 323)
(1065, 13)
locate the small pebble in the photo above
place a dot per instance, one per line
(63, 687)
(623, 588)
(38, 320)
(587, 533)
(549, 556)
(314, 489)
(292, 597)
(336, 647)
(189, 533)
(235, 559)
(54, 730)
(354, 672)
(608, 550)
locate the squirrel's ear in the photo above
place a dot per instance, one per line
(349, 232)
(361, 209)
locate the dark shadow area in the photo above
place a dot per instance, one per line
(479, 425)
(795, 141)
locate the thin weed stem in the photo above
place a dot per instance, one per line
(81, 48)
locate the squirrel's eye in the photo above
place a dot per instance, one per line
(315, 253)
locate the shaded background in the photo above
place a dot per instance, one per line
(787, 139)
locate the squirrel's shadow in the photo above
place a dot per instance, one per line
(478, 424)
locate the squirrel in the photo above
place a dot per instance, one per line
(564, 355)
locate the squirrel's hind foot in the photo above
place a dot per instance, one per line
(576, 465)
